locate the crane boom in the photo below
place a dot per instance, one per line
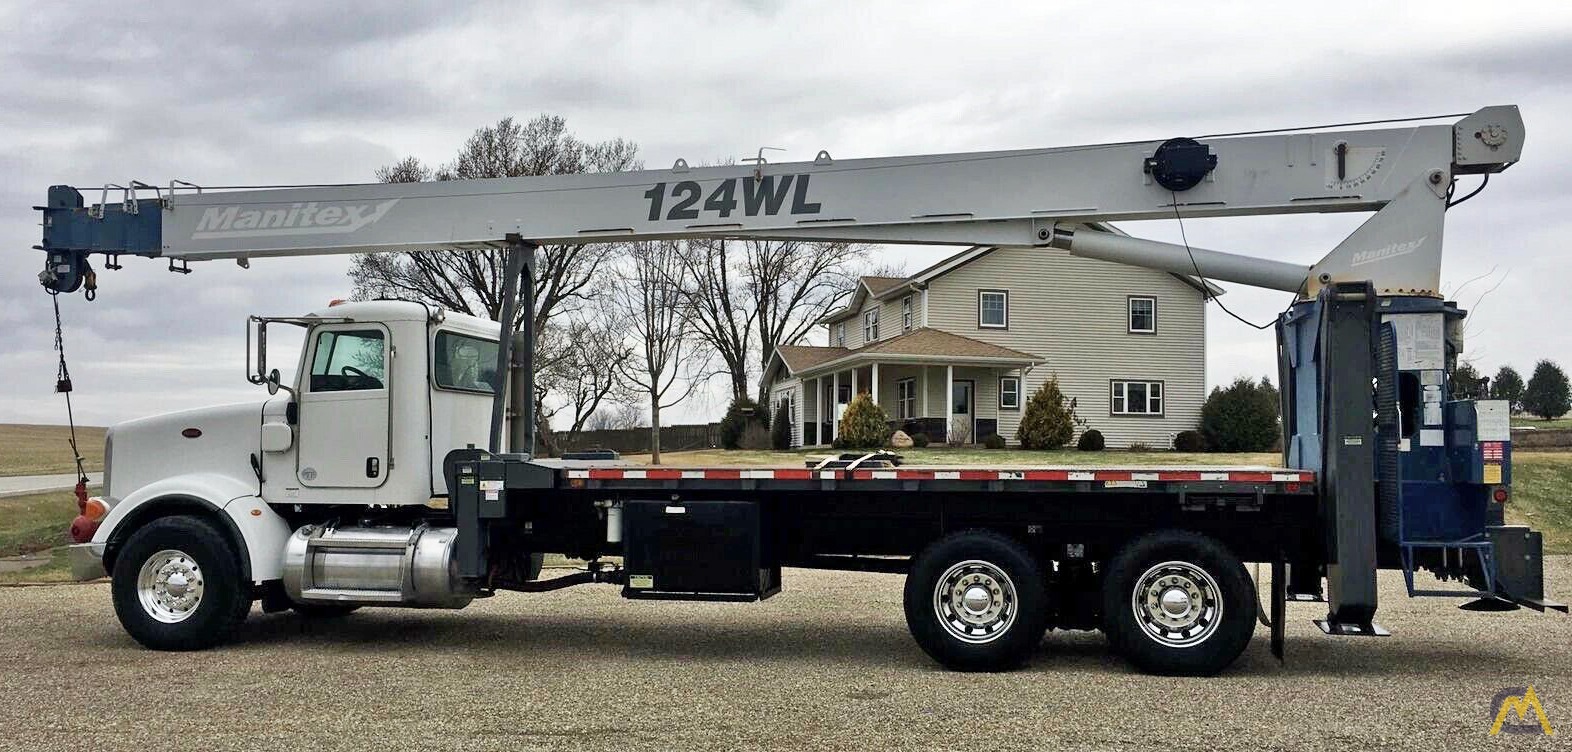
(1035, 197)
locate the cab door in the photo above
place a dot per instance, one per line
(344, 408)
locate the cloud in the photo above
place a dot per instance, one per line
(296, 92)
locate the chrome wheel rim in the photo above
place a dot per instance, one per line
(975, 601)
(1177, 604)
(170, 586)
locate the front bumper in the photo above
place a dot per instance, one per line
(87, 561)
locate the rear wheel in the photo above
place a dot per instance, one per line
(1178, 603)
(177, 585)
(976, 601)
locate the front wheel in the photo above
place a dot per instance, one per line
(976, 601)
(1178, 603)
(177, 585)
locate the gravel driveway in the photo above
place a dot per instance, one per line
(827, 664)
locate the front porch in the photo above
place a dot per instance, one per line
(956, 390)
(950, 403)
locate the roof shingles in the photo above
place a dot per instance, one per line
(922, 342)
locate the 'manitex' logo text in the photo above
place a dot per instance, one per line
(308, 218)
(1387, 251)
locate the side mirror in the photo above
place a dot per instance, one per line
(273, 381)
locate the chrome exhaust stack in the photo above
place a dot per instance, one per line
(375, 566)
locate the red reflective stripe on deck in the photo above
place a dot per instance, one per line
(663, 474)
(600, 474)
(793, 474)
(1179, 476)
(1110, 475)
(1047, 475)
(1250, 477)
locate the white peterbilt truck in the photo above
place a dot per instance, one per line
(396, 469)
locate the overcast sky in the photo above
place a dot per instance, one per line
(313, 92)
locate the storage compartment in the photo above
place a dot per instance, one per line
(696, 550)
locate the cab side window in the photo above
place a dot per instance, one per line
(348, 360)
(465, 364)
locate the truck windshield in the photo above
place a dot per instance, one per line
(467, 364)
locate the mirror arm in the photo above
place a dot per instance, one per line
(259, 376)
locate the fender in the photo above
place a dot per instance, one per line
(258, 530)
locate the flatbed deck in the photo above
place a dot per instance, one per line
(1252, 479)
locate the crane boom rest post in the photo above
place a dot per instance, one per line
(1398, 475)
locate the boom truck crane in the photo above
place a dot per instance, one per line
(360, 483)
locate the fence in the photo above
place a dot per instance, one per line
(1551, 438)
(637, 440)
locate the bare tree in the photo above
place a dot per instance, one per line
(792, 285)
(616, 417)
(711, 286)
(470, 281)
(584, 368)
(743, 298)
(665, 366)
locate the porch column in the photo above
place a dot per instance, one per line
(925, 391)
(875, 385)
(949, 402)
(835, 401)
(818, 410)
(854, 382)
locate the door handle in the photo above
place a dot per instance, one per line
(373, 467)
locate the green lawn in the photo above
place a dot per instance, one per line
(1542, 496)
(46, 450)
(1527, 422)
(38, 522)
(57, 570)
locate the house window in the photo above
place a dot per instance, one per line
(870, 325)
(993, 309)
(1137, 398)
(906, 313)
(1010, 393)
(1143, 315)
(906, 399)
(840, 334)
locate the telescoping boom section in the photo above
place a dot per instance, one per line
(359, 482)
(1033, 197)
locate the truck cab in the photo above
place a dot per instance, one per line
(381, 392)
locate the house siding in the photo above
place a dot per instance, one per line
(889, 319)
(790, 389)
(1072, 312)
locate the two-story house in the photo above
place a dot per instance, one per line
(956, 350)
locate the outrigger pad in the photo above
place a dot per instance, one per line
(1347, 629)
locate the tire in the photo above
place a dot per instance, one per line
(1152, 579)
(945, 608)
(177, 585)
(322, 610)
